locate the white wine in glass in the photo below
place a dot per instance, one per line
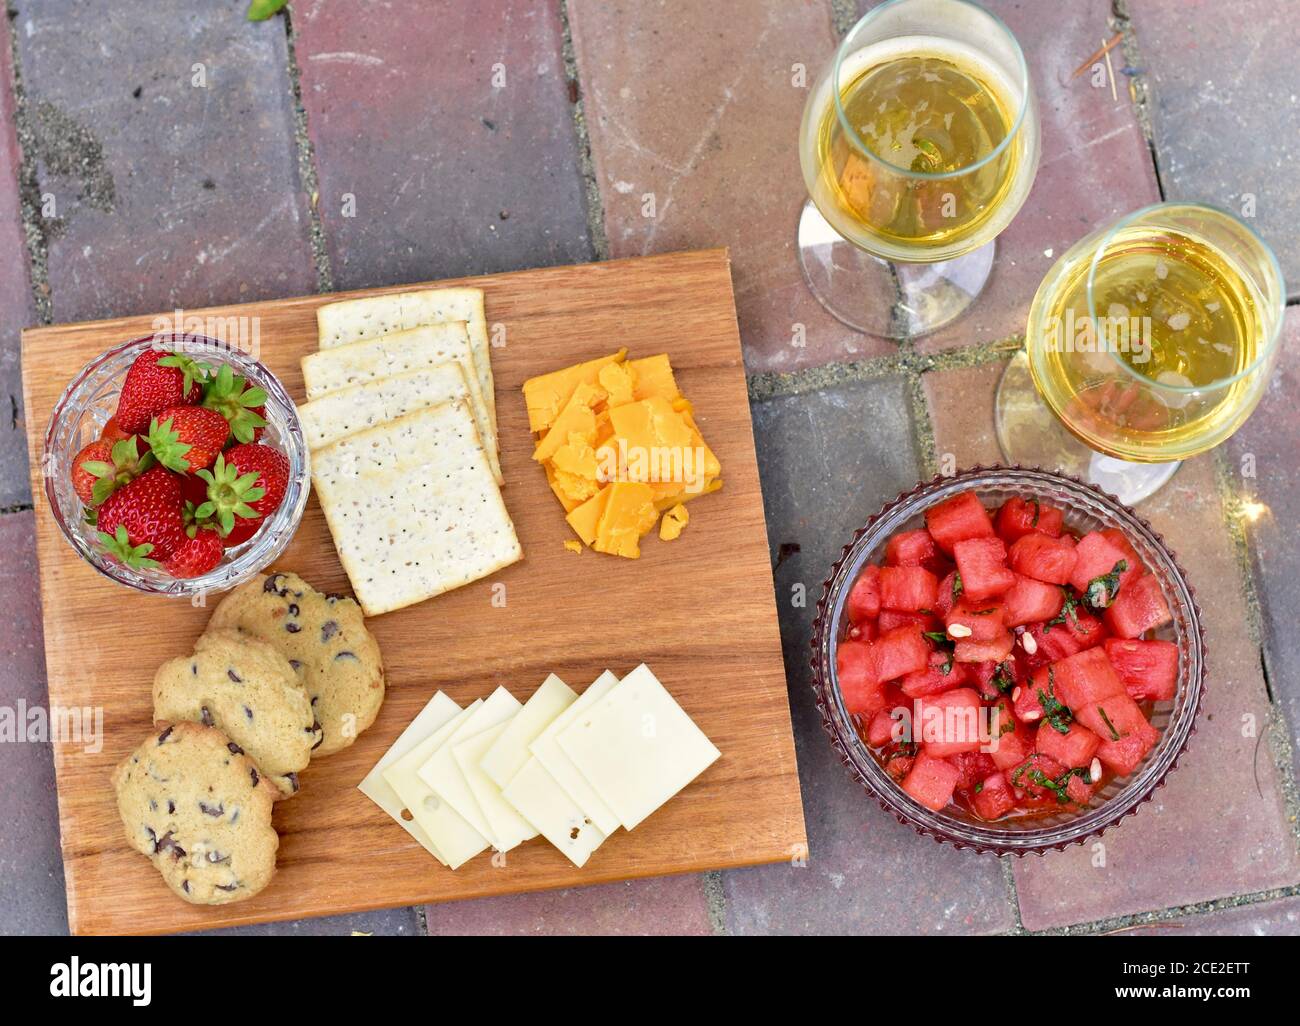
(1150, 341)
(919, 144)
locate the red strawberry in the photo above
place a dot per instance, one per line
(156, 380)
(112, 431)
(102, 467)
(236, 399)
(197, 553)
(246, 484)
(141, 522)
(187, 438)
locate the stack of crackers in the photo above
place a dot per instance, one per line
(401, 424)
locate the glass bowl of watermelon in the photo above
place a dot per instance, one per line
(1009, 660)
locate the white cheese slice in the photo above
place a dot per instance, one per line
(456, 840)
(548, 807)
(444, 777)
(637, 747)
(558, 764)
(509, 829)
(437, 713)
(507, 757)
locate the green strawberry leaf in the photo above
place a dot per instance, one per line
(166, 445)
(119, 546)
(96, 468)
(189, 367)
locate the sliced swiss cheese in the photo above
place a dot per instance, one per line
(355, 320)
(558, 764)
(400, 353)
(437, 713)
(456, 840)
(338, 414)
(547, 806)
(509, 829)
(507, 757)
(413, 508)
(636, 747)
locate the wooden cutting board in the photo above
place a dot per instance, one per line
(700, 611)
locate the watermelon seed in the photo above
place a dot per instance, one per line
(1027, 639)
(1015, 695)
(958, 630)
(1094, 771)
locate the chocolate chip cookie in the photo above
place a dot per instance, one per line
(248, 691)
(201, 810)
(325, 639)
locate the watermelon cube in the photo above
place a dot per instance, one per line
(1019, 517)
(992, 680)
(1149, 669)
(968, 650)
(1080, 791)
(1011, 741)
(948, 723)
(1029, 600)
(856, 672)
(992, 798)
(908, 589)
(957, 519)
(892, 619)
(982, 563)
(931, 781)
(880, 731)
(864, 598)
(1122, 757)
(1085, 679)
(933, 679)
(1096, 556)
(863, 630)
(899, 652)
(911, 548)
(1029, 780)
(1026, 704)
(1050, 560)
(1120, 540)
(972, 768)
(898, 761)
(983, 621)
(1139, 607)
(1079, 630)
(1074, 748)
(1112, 719)
(946, 599)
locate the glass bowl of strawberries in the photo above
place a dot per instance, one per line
(1009, 660)
(175, 464)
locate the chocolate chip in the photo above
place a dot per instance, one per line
(293, 781)
(271, 585)
(227, 887)
(194, 669)
(293, 609)
(168, 843)
(249, 713)
(235, 749)
(205, 717)
(292, 628)
(346, 655)
(331, 598)
(162, 738)
(253, 772)
(327, 630)
(234, 676)
(320, 734)
(212, 810)
(216, 858)
(185, 886)
(295, 664)
(153, 805)
(171, 806)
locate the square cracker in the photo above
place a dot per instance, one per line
(413, 508)
(401, 353)
(355, 320)
(338, 414)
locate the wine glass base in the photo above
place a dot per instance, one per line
(1030, 435)
(882, 298)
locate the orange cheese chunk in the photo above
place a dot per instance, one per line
(654, 378)
(673, 523)
(577, 418)
(618, 379)
(585, 519)
(629, 513)
(547, 394)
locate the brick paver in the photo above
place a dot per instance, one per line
(1265, 919)
(673, 905)
(16, 309)
(829, 460)
(165, 144)
(1262, 466)
(1095, 163)
(393, 922)
(444, 138)
(31, 869)
(1220, 825)
(693, 114)
(1226, 109)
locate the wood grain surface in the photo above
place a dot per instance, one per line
(700, 611)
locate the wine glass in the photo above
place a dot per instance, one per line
(919, 144)
(1151, 340)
